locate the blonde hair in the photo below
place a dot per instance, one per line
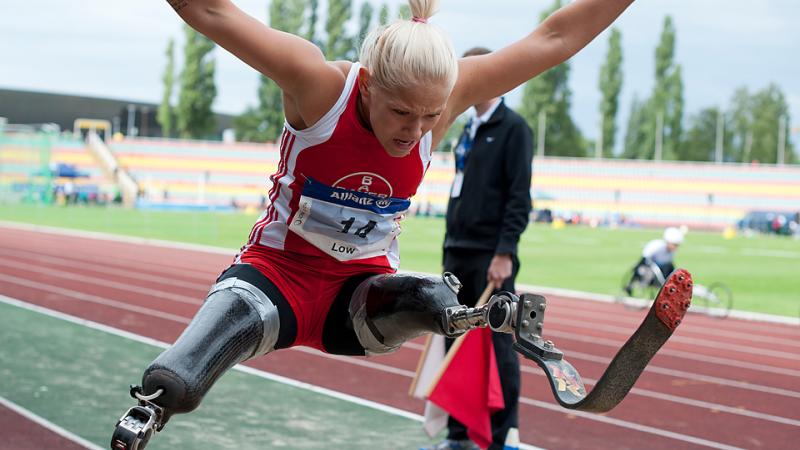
(408, 52)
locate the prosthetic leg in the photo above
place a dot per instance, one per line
(387, 310)
(236, 322)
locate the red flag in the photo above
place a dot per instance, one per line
(469, 387)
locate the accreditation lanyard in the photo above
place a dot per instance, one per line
(461, 152)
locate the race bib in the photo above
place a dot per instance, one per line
(347, 224)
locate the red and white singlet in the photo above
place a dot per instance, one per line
(334, 208)
(337, 191)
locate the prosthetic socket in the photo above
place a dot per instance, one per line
(236, 322)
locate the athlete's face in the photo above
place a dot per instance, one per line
(400, 117)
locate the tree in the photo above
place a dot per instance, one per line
(637, 135)
(739, 118)
(289, 15)
(610, 86)
(754, 121)
(383, 15)
(339, 45)
(300, 17)
(165, 113)
(768, 108)
(673, 121)
(664, 108)
(667, 98)
(550, 92)
(700, 142)
(364, 22)
(265, 122)
(404, 11)
(194, 116)
(313, 19)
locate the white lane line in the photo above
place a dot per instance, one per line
(608, 317)
(358, 362)
(709, 249)
(770, 253)
(739, 364)
(93, 299)
(693, 376)
(194, 301)
(730, 362)
(118, 238)
(594, 325)
(689, 326)
(666, 351)
(157, 293)
(164, 267)
(47, 424)
(230, 252)
(630, 425)
(688, 401)
(604, 298)
(409, 374)
(156, 313)
(260, 373)
(125, 273)
(567, 336)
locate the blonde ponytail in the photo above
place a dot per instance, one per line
(408, 52)
(422, 9)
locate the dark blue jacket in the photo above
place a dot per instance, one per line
(495, 202)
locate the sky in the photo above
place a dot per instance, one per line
(116, 49)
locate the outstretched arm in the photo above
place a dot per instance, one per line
(559, 37)
(296, 65)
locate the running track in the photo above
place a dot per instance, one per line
(717, 384)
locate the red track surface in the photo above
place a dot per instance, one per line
(717, 383)
(19, 433)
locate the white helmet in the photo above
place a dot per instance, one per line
(673, 236)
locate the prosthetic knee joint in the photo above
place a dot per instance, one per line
(236, 322)
(388, 310)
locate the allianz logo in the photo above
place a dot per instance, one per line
(364, 200)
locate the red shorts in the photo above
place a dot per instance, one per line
(310, 284)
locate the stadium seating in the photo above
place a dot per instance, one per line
(70, 164)
(699, 195)
(186, 173)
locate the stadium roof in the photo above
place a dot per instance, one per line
(29, 107)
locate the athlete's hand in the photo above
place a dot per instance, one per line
(499, 269)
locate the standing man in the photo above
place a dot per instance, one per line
(488, 210)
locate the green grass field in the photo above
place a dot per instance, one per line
(762, 271)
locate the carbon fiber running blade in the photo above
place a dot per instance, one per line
(665, 315)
